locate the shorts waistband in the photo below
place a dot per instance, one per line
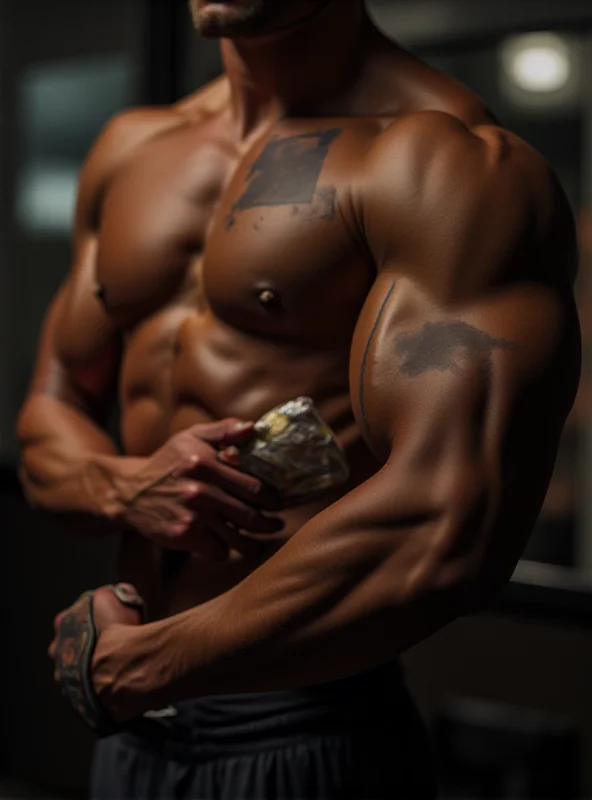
(346, 707)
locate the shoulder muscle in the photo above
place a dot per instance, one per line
(463, 208)
(118, 141)
(79, 346)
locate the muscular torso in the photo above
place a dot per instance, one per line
(236, 273)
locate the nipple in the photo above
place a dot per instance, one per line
(268, 298)
(100, 292)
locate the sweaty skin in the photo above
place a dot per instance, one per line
(385, 249)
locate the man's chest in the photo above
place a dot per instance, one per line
(266, 239)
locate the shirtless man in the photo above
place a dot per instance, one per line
(332, 218)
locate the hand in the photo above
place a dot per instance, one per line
(187, 498)
(77, 632)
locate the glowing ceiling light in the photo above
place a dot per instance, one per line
(538, 62)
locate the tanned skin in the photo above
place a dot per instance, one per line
(351, 226)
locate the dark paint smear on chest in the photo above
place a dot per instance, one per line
(286, 172)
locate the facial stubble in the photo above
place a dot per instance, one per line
(220, 19)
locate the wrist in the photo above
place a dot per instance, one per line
(147, 667)
(109, 485)
(119, 673)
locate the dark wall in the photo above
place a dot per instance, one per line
(46, 50)
(431, 22)
(529, 664)
(46, 46)
(42, 571)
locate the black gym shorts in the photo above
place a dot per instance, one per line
(355, 739)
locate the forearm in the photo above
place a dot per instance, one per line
(69, 465)
(344, 595)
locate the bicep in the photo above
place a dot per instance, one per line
(78, 348)
(465, 405)
(70, 391)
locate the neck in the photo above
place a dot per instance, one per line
(299, 70)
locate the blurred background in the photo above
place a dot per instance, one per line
(507, 695)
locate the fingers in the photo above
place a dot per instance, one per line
(216, 468)
(168, 515)
(230, 455)
(114, 605)
(213, 499)
(128, 596)
(196, 537)
(234, 539)
(57, 620)
(240, 484)
(126, 592)
(218, 538)
(224, 432)
(207, 544)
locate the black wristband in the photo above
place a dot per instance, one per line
(76, 641)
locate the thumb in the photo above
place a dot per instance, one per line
(225, 432)
(116, 604)
(128, 596)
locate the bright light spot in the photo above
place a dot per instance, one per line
(538, 62)
(47, 196)
(540, 69)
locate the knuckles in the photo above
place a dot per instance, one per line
(190, 492)
(254, 488)
(200, 490)
(190, 461)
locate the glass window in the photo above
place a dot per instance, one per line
(63, 107)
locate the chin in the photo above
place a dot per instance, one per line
(228, 18)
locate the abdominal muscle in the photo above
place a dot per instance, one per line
(231, 375)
